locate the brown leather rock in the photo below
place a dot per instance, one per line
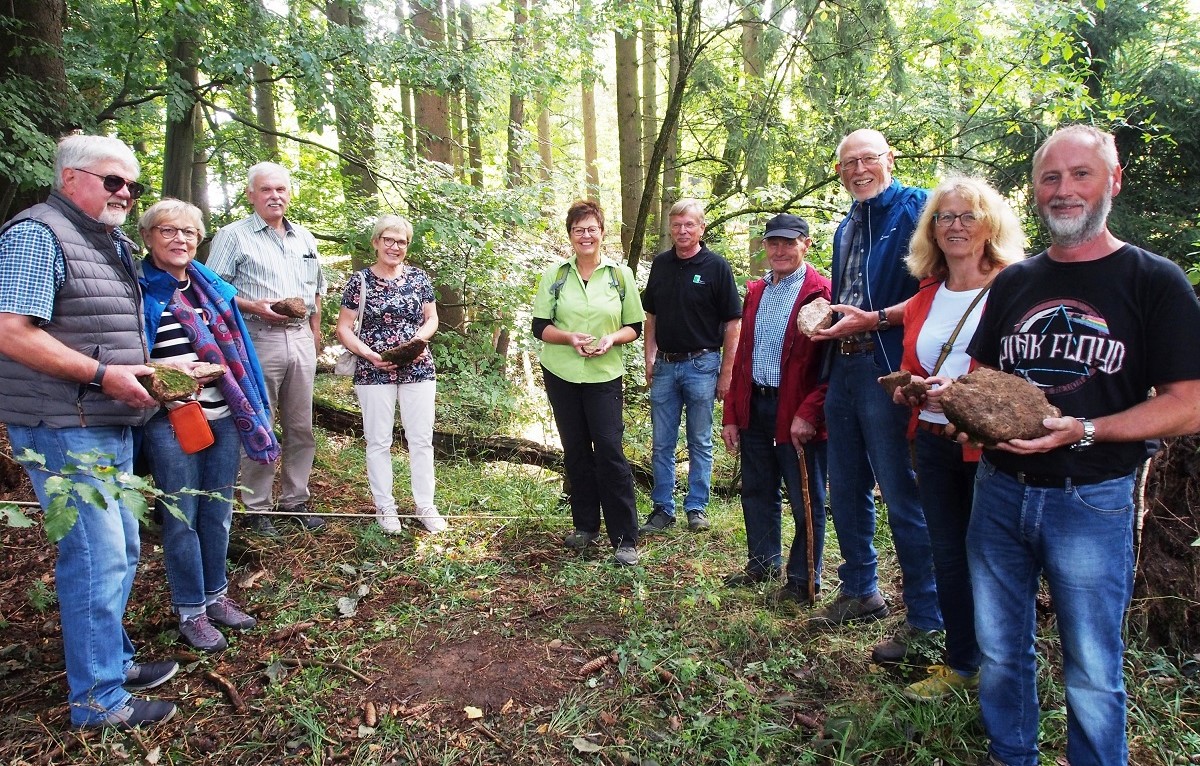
(993, 406)
(814, 315)
(295, 308)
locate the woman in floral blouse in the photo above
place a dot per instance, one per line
(399, 307)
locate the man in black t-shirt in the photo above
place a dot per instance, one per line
(693, 315)
(1095, 323)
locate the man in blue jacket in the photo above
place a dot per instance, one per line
(867, 431)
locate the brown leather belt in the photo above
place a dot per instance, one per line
(852, 347)
(683, 356)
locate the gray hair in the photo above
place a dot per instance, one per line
(266, 168)
(688, 206)
(168, 207)
(1105, 144)
(81, 151)
(385, 222)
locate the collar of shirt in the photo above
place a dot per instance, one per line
(795, 276)
(260, 223)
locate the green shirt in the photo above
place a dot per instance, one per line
(595, 308)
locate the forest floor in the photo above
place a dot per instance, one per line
(491, 644)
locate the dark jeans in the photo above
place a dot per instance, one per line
(589, 422)
(764, 464)
(947, 487)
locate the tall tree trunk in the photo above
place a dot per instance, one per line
(670, 172)
(406, 92)
(31, 41)
(457, 132)
(179, 152)
(516, 97)
(353, 105)
(545, 155)
(471, 97)
(629, 140)
(200, 167)
(264, 98)
(587, 88)
(649, 100)
(432, 113)
(756, 149)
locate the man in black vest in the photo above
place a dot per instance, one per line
(71, 348)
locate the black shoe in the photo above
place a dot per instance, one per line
(139, 712)
(658, 521)
(746, 578)
(261, 525)
(698, 522)
(580, 539)
(148, 675)
(309, 523)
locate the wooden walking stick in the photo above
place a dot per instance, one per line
(808, 527)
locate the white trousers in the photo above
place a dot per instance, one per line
(378, 404)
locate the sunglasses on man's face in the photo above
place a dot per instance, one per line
(113, 184)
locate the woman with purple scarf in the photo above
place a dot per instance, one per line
(191, 317)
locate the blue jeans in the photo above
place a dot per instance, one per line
(194, 549)
(868, 443)
(764, 464)
(675, 386)
(1081, 540)
(947, 486)
(94, 572)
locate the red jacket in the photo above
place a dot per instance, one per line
(915, 314)
(800, 392)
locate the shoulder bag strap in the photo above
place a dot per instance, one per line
(949, 344)
(362, 302)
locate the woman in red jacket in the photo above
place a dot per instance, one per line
(966, 235)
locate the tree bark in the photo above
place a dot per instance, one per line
(179, 152)
(471, 97)
(629, 140)
(406, 92)
(670, 172)
(264, 101)
(650, 101)
(353, 105)
(587, 88)
(516, 97)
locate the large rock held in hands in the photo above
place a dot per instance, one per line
(813, 316)
(902, 379)
(405, 353)
(993, 406)
(168, 384)
(295, 308)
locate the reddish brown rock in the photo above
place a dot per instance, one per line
(405, 353)
(813, 316)
(168, 384)
(993, 406)
(903, 380)
(295, 308)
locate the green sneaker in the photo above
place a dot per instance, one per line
(942, 682)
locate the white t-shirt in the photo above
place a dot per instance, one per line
(944, 314)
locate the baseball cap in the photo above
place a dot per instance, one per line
(786, 225)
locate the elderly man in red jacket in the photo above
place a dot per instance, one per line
(774, 413)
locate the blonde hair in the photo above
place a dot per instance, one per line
(169, 207)
(1005, 242)
(688, 206)
(398, 222)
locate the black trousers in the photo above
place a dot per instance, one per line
(589, 422)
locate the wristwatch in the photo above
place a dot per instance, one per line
(97, 382)
(1089, 434)
(883, 321)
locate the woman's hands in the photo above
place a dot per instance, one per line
(589, 345)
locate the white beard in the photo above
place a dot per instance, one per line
(1070, 232)
(113, 218)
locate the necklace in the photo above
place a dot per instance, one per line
(185, 284)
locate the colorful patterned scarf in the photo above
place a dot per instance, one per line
(218, 341)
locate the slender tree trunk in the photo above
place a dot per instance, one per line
(354, 106)
(545, 154)
(587, 90)
(670, 173)
(757, 159)
(407, 96)
(629, 140)
(457, 132)
(516, 97)
(471, 98)
(650, 101)
(179, 152)
(199, 193)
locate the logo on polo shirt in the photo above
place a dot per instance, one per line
(696, 280)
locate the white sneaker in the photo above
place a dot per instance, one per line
(432, 520)
(389, 521)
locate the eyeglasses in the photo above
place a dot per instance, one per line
(390, 242)
(113, 184)
(171, 232)
(867, 160)
(946, 220)
(580, 231)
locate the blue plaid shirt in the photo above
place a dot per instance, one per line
(32, 270)
(771, 324)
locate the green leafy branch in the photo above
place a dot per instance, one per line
(91, 479)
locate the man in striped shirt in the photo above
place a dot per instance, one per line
(269, 258)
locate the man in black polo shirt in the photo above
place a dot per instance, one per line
(693, 315)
